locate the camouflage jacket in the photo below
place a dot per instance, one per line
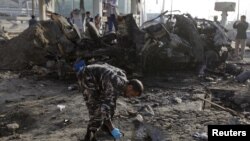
(102, 84)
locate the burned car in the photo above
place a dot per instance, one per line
(183, 42)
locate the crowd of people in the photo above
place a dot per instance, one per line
(111, 12)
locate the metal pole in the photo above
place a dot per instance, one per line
(163, 6)
(73, 4)
(162, 10)
(42, 10)
(27, 7)
(238, 10)
(171, 6)
(145, 13)
(33, 7)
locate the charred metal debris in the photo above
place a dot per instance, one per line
(168, 42)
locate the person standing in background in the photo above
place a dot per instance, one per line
(241, 36)
(32, 21)
(77, 19)
(88, 17)
(112, 12)
(98, 22)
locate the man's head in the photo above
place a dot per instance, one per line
(97, 17)
(243, 18)
(33, 16)
(87, 13)
(134, 88)
(215, 18)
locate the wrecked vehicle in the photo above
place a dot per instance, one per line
(181, 42)
(217, 42)
(190, 42)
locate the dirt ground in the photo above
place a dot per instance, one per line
(33, 103)
(169, 106)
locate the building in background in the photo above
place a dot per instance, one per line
(18, 7)
(64, 7)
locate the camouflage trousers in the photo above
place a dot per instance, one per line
(98, 111)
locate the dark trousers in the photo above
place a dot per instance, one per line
(112, 21)
(96, 116)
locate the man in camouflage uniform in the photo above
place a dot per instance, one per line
(101, 85)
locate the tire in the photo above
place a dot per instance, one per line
(211, 59)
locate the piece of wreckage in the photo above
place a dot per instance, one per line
(180, 42)
(184, 42)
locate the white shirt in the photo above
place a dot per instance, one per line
(112, 7)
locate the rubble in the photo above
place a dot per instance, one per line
(243, 77)
(172, 107)
(201, 136)
(13, 127)
(38, 44)
(147, 111)
(8, 75)
(42, 119)
(152, 47)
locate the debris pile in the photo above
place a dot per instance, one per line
(180, 42)
(35, 46)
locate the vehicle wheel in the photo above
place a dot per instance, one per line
(211, 59)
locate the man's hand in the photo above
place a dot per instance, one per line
(116, 133)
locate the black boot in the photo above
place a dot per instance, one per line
(90, 136)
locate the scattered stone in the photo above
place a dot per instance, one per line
(13, 126)
(40, 70)
(147, 111)
(42, 85)
(8, 75)
(167, 125)
(61, 107)
(15, 137)
(2, 116)
(187, 128)
(178, 100)
(198, 126)
(202, 136)
(139, 118)
(209, 79)
(73, 87)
